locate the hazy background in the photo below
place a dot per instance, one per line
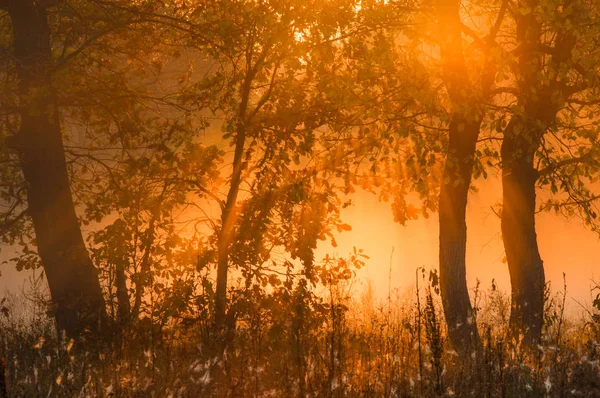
(565, 245)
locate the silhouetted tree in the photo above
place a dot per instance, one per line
(551, 74)
(71, 276)
(467, 96)
(261, 81)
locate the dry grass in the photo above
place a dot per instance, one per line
(299, 343)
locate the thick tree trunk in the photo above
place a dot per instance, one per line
(72, 278)
(462, 329)
(518, 230)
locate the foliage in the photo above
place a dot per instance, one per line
(234, 132)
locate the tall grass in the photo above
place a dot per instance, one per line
(310, 341)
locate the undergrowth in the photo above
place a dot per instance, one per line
(308, 341)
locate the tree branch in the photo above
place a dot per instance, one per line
(504, 90)
(566, 162)
(8, 223)
(476, 38)
(496, 27)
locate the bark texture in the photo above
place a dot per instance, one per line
(72, 278)
(536, 112)
(458, 311)
(518, 230)
(463, 132)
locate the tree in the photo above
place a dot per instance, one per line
(393, 132)
(83, 89)
(148, 195)
(467, 113)
(72, 278)
(544, 83)
(552, 72)
(258, 78)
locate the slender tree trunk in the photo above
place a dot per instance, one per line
(518, 230)
(123, 305)
(539, 104)
(228, 219)
(142, 278)
(458, 311)
(72, 278)
(464, 129)
(229, 212)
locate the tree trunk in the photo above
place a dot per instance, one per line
(72, 278)
(228, 219)
(458, 311)
(229, 213)
(3, 389)
(123, 305)
(464, 129)
(143, 276)
(522, 138)
(518, 230)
